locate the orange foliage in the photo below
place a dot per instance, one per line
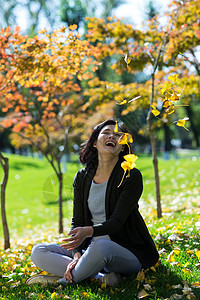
(40, 79)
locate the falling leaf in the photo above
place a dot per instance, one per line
(173, 77)
(154, 111)
(174, 97)
(182, 122)
(125, 139)
(129, 163)
(116, 128)
(167, 103)
(127, 166)
(130, 158)
(170, 110)
(123, 102)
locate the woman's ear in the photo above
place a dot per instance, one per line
(95, 144)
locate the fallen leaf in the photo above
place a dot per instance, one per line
(197, 252)
(147, 287)
(175, 296)
(142, 294)
(174, 237)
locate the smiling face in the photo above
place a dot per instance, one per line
(107, 141)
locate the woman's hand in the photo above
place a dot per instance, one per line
(78, 235)
(71, 265)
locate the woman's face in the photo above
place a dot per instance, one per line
(107, 141)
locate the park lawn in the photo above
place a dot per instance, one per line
(32, 216)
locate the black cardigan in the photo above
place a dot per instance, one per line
(123, 224)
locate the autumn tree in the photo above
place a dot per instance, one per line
(154, 49)
(40, 95)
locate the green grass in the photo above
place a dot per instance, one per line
(32, 214)
(32, 192)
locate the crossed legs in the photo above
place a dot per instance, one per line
(101, 254)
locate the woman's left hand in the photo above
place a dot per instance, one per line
(78, 235)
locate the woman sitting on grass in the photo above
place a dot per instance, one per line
(108, 234)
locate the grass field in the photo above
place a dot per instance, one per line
(32, 214)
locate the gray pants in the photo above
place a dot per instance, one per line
(101, 254)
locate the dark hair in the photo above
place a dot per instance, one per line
(88, 154)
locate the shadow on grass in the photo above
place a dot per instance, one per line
(21, 165)
(160, 284)
(55, 202)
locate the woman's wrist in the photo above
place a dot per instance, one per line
(89, 231)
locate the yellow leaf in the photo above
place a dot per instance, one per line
(130, 158)
(103, 285)
(196, 284)
(123, 102)
(54, 295)
(177, 251)
(153, 269)
(170, 257)
(116, 128)
(140, 276)
(185, 270)
(125, 139)
(85, 294)
(142, 294)
(173, 78)
(166, 103)
(127, 166)
(154, 111)
(170, 109)
(182, 122)
(197, 252)
(174, 97)
(190, 251)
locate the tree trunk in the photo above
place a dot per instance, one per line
(60, 202)
(154, 152)
(156, 176)
(167, 138)
(5, 166)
